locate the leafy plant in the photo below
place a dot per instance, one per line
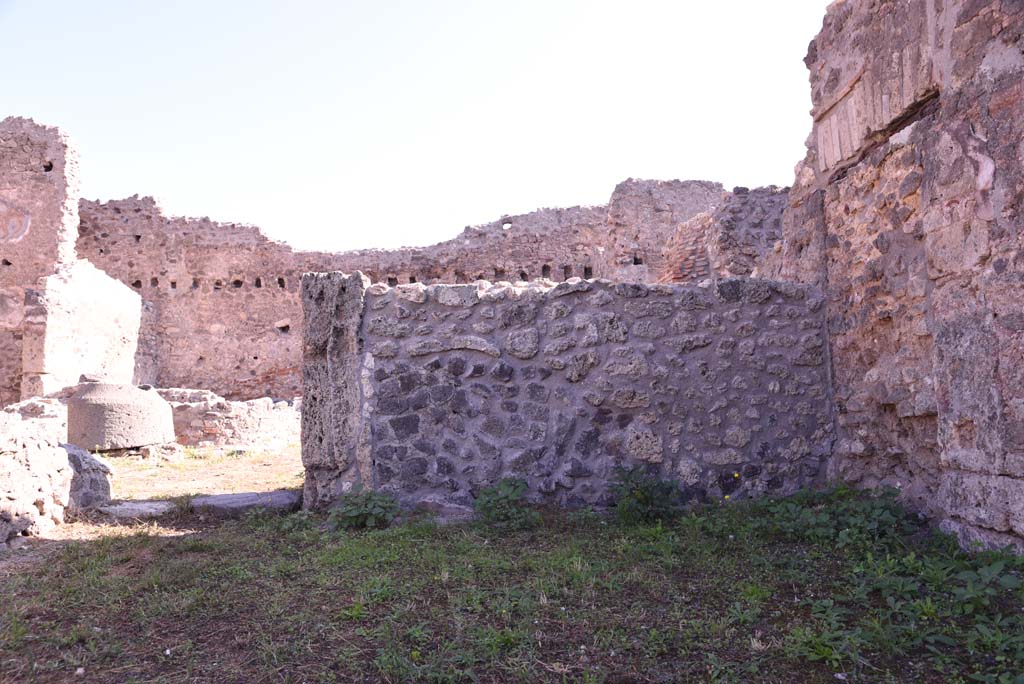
(361, 509)
(641, 498)
(980, 586)
(841, 517)
(502, 506)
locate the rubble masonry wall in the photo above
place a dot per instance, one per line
(433, 392)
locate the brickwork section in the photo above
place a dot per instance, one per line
(643, 216)
(435, 392)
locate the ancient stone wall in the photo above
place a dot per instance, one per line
(434, 392)
(222, 300)
(38, 225)
(746, 227)
(643, 217)
(548, 243)
(734, 238)
(38, 201)
(60, 317)
(221, 303)
(907, 211)
(10, 364)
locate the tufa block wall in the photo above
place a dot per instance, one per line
(434, 392)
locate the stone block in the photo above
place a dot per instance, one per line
(103, 416)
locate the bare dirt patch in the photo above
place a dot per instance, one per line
(206, 471)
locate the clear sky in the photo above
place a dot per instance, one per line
(335, 124)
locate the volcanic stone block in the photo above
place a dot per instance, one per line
(103, 416)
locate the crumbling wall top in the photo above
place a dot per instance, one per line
(38, 200)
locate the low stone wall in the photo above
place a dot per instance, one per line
(202, 418)
(434, 392)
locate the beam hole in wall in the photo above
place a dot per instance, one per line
(566, 272)
(153, 282)
(412, 279)
(137, 284)
(460, 277)
(280, 283)
(138, 238)
(48, 166)
(499, 274)
(588, 272)
(638, 260)
(523, 276)
(392, 281)
(218, 284)
(258, 283)
(479, 276)
(174, 284)
(236, 283)
(545, 271)
(195, 283)
(5, 262)
(283, 327)
(506, 225)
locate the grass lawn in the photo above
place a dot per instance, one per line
(817, 588)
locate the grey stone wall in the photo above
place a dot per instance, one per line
(432, 392)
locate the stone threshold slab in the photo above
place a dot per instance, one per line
(223, 506)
